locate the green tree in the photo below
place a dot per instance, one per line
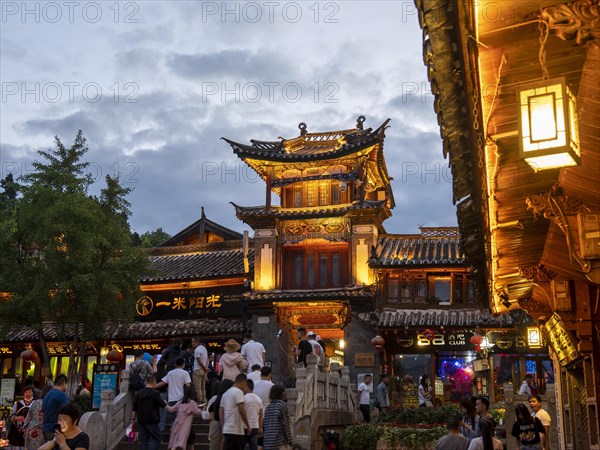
(154, 238)
(67, 257)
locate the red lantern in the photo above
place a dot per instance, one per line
(378, 342)
(29, 355)
(429, 334)
(119, 297)
(476, 339)
(114, 356)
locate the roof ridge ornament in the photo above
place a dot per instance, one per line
(359, 122)
(302, 126)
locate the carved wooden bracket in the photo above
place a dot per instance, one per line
(579, 20)
(537, 273)
(561, 209)
(532, 306)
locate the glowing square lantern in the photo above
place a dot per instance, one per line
(548, 121)
(534, 337)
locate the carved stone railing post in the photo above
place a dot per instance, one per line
(106, 401)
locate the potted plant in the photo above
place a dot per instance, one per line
(499, 414)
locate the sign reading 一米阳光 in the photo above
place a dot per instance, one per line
(225, 301)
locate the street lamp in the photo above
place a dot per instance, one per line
(548, 122)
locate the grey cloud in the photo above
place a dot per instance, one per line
(229, 64)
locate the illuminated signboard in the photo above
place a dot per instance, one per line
(223, 301)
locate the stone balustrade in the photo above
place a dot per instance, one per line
(320, 401)
(106, 428)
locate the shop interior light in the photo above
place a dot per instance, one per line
(548, 125)
(342, 344)
(534, 337)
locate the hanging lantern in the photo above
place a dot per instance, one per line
(476, 339)
(548, 125)
(534, 337)
(378, 342)
(429, 334)
(29, 355)
(114, 356)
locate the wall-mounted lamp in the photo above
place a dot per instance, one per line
(548, 125)
(534, 337)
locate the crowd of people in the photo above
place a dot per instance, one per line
(46, 420)
(476, 430)
(243, 405)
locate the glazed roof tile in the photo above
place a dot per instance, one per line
(286, 213)
(445, 317)
(137, 330)
(310, 146)
(215, 259)
(417, 250)
(301, 294)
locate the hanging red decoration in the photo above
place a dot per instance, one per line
(478, 348)
(29, 355)
(476, 339)
(378, 342)
(114, 356)
(429, 334)
(119, 297)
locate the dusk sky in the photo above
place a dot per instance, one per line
(155, 85)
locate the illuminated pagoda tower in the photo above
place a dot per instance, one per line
(312, 250)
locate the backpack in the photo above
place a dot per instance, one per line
(137, 382)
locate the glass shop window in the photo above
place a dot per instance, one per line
(91, 360)
(442, 290)
(458, 377)
(407, 370)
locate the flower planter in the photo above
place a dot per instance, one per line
(383, 445)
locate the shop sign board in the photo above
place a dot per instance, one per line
(106, 377)
(498, 342)
(224, 301)
(7, 391)
(560, 340)
(364, 360)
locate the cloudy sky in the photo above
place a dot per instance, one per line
(155, 85)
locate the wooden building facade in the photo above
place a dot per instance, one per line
(517, 94)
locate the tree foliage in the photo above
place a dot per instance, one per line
(154, 238)
(66, 256)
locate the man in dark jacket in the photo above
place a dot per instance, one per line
(146, 409)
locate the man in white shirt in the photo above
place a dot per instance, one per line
(262, 387)
(255, 374)
(364, 397)
(233, 415)
(535, 402)
(254, 412)
(253, 352)
(200, 369)
(176, 380)
(525, 388)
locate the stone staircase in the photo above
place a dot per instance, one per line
(199, 427)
